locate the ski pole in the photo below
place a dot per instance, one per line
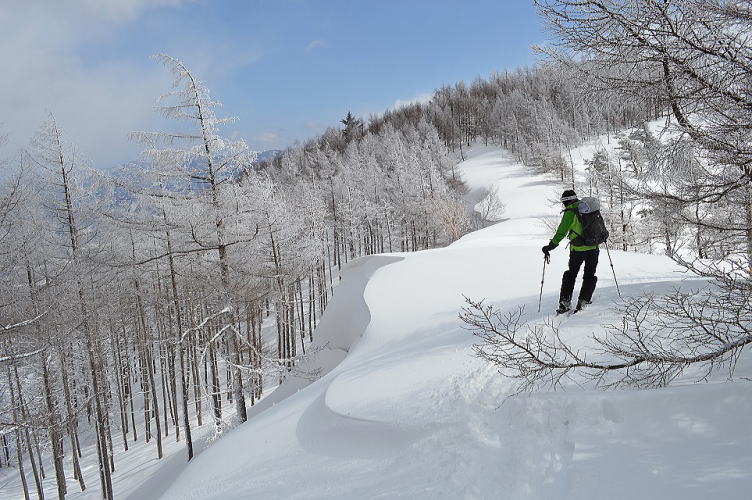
(543, 277)
(612, 268)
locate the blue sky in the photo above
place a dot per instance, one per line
(286, 68)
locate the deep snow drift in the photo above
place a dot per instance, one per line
(406, 410)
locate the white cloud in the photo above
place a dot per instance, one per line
(267, 138)
(123, 9)
(420, 98)
(315, 44)
(315, 126)
(96, 104)
(219, 58)
(97, 101)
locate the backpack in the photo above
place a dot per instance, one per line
(594, 230)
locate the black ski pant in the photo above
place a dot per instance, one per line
(589, 279)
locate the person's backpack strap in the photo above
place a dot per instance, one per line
(579, 217)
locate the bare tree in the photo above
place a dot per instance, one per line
(490, 208)
(658, 338)
(205, 159)
(694, 56)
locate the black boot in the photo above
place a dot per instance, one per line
(564, 306)
(582, 304)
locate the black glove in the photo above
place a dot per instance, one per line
(551, 245)
(546, 249)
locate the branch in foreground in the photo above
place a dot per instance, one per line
(657, 340)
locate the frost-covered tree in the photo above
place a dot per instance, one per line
(66, 203)
(200, 162)
(692, 57)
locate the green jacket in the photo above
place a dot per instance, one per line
(570, 226)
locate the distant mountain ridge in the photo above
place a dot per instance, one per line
(268, 155)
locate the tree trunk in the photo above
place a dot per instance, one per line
(16, 418)
(55, 438)
(104, 470)
(179, 345)
(72, 426)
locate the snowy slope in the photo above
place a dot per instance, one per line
(405, 410)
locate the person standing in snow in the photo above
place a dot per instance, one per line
(572, 227)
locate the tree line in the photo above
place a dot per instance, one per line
(142, 304)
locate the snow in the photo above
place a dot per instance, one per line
(138, 475)
(404, 409)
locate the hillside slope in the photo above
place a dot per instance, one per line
(410, 412)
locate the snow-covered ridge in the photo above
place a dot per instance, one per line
(343, 324)
(405, 410)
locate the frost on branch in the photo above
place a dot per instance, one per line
(659, 337)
